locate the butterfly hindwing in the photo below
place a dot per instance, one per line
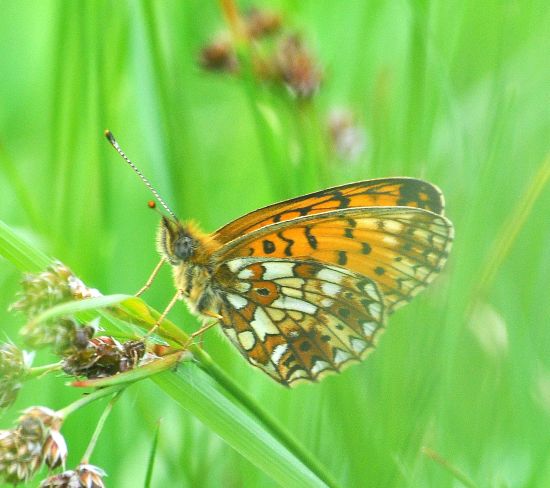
(401, 249)
(299, 320)
(386, 192)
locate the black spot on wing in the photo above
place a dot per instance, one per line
(289, 243)
(269, 246)
(310, 237)
(344, 312)
(342, 258)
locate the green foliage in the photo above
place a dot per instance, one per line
(450, 92)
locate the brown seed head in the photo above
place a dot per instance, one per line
(84, 476)
(14, 364)
(54, 450)
(57, 284)
(104, 356)
(219, 56)
(297, 67)
(261, 23)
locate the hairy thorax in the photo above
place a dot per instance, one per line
(195, 283)
(197, 276)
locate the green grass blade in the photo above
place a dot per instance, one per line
(217, 410)
(152, 457)
(19, 252)
(199, 395)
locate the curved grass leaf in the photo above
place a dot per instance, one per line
(152, 457)
(212, 399)
(19, 252)
(74, 307)
(197, 393)
(149, 369)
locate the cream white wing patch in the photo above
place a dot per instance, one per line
(299, 320)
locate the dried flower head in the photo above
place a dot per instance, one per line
(42, 291)
(20, 455)
(84, 476)
(297, 67)
(14, 364)
(346, 135)
(260, 23)
(48, 417)
(57, 284)
(67, 479)
(23, 448)
(104, 356)
(219, 55)
(63, 335)
(54, 450)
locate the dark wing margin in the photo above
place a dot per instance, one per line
(383, 192)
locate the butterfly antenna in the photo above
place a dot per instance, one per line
(111, 138)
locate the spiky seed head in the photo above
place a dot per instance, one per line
(90, 476)
(261, 23)
(57, 284)
(54, 451)
(67, 479)
(297, 67)
(84, 476)
(219, 55)
(48, 417)
(104, 356)
(14, 365)
(35, 438)
(41, 291)
(21, 451)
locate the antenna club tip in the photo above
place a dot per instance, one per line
(109, 135)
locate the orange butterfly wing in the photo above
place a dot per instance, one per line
(401, 249)
(306, 284)
(389, 192)
(299, 320)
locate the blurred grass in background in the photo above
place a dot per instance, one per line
(452, 92)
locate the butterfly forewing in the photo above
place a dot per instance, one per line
(386, 192)
(299, 320)
(400, 249)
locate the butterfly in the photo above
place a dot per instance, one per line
(303, 288)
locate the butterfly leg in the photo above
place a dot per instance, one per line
(151, 278)
(204, 328)
(163, 315)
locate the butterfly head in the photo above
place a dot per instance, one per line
(178, 242)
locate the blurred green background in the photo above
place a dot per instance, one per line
(452, 92)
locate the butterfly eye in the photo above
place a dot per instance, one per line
(184, 247)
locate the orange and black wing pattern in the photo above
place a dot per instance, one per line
(384, 192)
(306, 285)
(401, 249)
(300, 320)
